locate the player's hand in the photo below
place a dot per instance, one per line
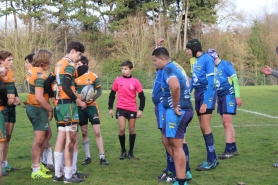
(17, 100)
(266, 70)
(111, 112)
(10, 101)
(82, 104)
(139, 114)
(50, 115)
(3, 72)
(24, 104)
(177, 111)
(238, 101)
(54, 102)
(90, 101)
(203, 108)
(160, 42)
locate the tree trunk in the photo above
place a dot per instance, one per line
(154, 31)
(179, 31)
(185, 39)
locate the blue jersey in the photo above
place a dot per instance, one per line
(171, 70)
(203, 67)
(223, 82)
(157, 91)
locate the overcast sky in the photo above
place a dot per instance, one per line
(256, 6)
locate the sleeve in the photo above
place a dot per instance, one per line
(47, 85)
(111, 99)
(209, 89)
(3, 94)
(66, 87)
(15, 92)
(236, 86)
(39, 82)
(274, 73)
(70, 70)
(209, 66)
(115, 85)
(230, 69)
(142, 99)
(99, 92)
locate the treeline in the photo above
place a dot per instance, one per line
(114, 31)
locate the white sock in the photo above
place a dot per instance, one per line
(44, 157)
(101, 156)
(58, 160)
(74, 162)
(86, 146)
(4, 164)
(63, 161)
(68, 172)
(49, 159)
(36, 167)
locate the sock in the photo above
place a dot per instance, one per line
(36, 167)
(122, 142)
(234, 149)
(68, 172)
(210, 147)
(58, 157)
(101, 156)
(228, 147)
(180, 181)
(62, 165)
(170, 164)
(4, 164)
(44, 157)
(74, 162)
(86, 146)
(49, 158)
(186, 151)
(132, 138)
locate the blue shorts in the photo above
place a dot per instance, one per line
(199, 99)
(159, 111)
(174, 126)
(226, 104)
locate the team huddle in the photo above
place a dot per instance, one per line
(213, 80)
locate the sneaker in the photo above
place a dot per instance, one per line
(167, 178)
(188, 176)
(103, 161)
(123, 155)
(50, 167)
(275, 164)
(56, 179)
(80, 175)
(235, 153)
(130, 155)
(87, 161)
(225, 155)
(208, 166)
(164, 172)
(39, 174)
(9, 168)
(4, 173)
(73, 179)
(177, 183)
(44, 169)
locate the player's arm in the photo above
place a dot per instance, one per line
(142, 99)
(274, 73)
(175, 92)
(209, 89)
(98, 94)
(3, 94)
(237, 93)
(47, 85)
(111, 99)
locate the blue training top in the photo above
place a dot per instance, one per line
(223, 74)
(157, 91)
(171, 70)
(203, 67)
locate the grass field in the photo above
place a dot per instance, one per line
(256, 136)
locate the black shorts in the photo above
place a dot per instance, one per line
(125, 113)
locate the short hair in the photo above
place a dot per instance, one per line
(30, 57)
(5, 54)
(161, 52)
(76, 45)
(84, 60)
(127, 63)
(42, 57)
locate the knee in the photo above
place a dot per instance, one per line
(8, 137)
(97, 134)
(84, 134)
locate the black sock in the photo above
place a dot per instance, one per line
(131, 142)
(180, 181)
(122, 142)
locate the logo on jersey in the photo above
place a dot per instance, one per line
(131, 86)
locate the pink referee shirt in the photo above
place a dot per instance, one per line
(126, 89)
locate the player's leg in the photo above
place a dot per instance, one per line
(2, 144)
(132, 136)
(48, 164)
(121, 116)
(83, 122)
(58, 153)
(186, 152)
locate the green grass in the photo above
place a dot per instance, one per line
(256, 138)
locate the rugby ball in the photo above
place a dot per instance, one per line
(87, 93)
